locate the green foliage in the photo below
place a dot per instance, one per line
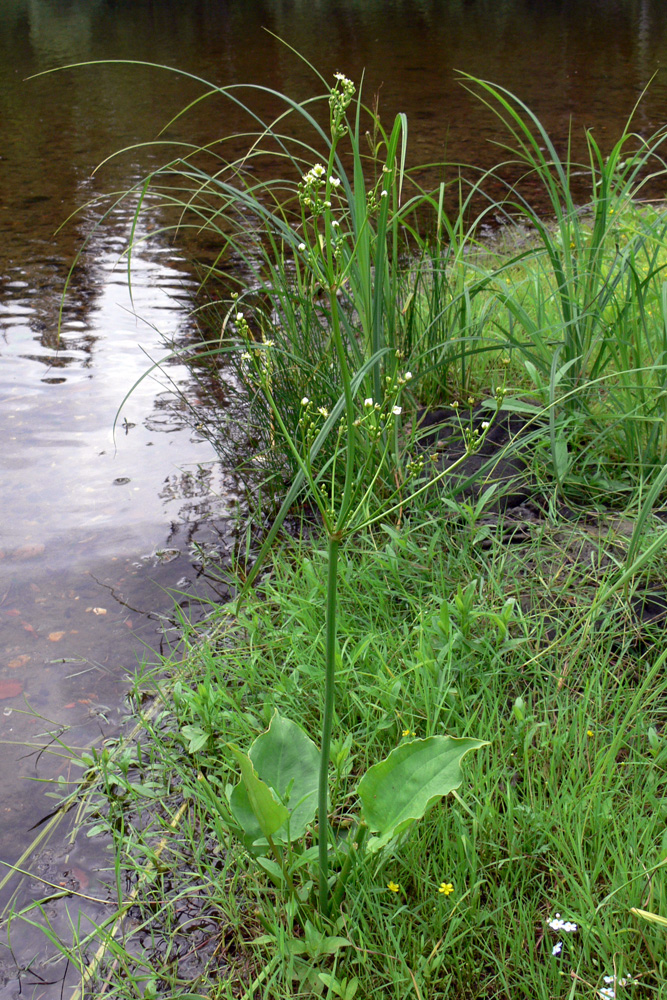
(398, 791)
(282, 762)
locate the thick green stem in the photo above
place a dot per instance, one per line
(327, 723)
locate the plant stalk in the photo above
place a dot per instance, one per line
(327, 722)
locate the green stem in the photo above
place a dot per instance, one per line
(327, 723)
(354, 850)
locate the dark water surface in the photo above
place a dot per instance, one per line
(95, 530)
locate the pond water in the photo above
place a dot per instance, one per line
(97, 526)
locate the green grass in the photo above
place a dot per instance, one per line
(563, 812)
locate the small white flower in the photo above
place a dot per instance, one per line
(397, 410)
(485, 425)
(246, 356)
(384, 194)
(327, 204)
(407, 376)
(302, 247)
(607, 993)
(269, 343)
(334, 181)
(305, 401)
(239, 317)
(562, 925)
(368, 402)
(557, 948)
(335, 223)
(323, 411)
(318, 170)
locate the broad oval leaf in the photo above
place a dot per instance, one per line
(400, 789)
(268, 813)
(288, 761)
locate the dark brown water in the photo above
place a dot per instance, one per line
(94, 530)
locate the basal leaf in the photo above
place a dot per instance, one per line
(400, 789)
(269, 814)
(288, 761)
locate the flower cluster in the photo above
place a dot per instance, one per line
(341, 94)
(312, 190)
(562, 925)
(242, 325)
(566, 926)
(315, 191)
(608, 992)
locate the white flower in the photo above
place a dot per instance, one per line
(318, 170)
(334, 181)
(557, 948)
(302, 247)
(323, 411)
(609, 993)
(341, 78)
(368, 402)
(305, 401)
(383, 194)
(335, 223)
(407, 376)
(397, 410)
(239, 317)
(485, 425)
(246, 356)
(562, 925)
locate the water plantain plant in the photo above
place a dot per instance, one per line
(284, 777)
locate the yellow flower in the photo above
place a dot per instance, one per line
(589, 732)
(446, 888)
(393, 886)
(408, 732)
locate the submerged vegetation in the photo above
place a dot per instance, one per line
(299, 774)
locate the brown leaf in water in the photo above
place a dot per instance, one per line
(27, 626)
(13, 611)
(28, 551)
(70, 704)
(18, 661)
(55, 636)
(81, 877)
(10, 689)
